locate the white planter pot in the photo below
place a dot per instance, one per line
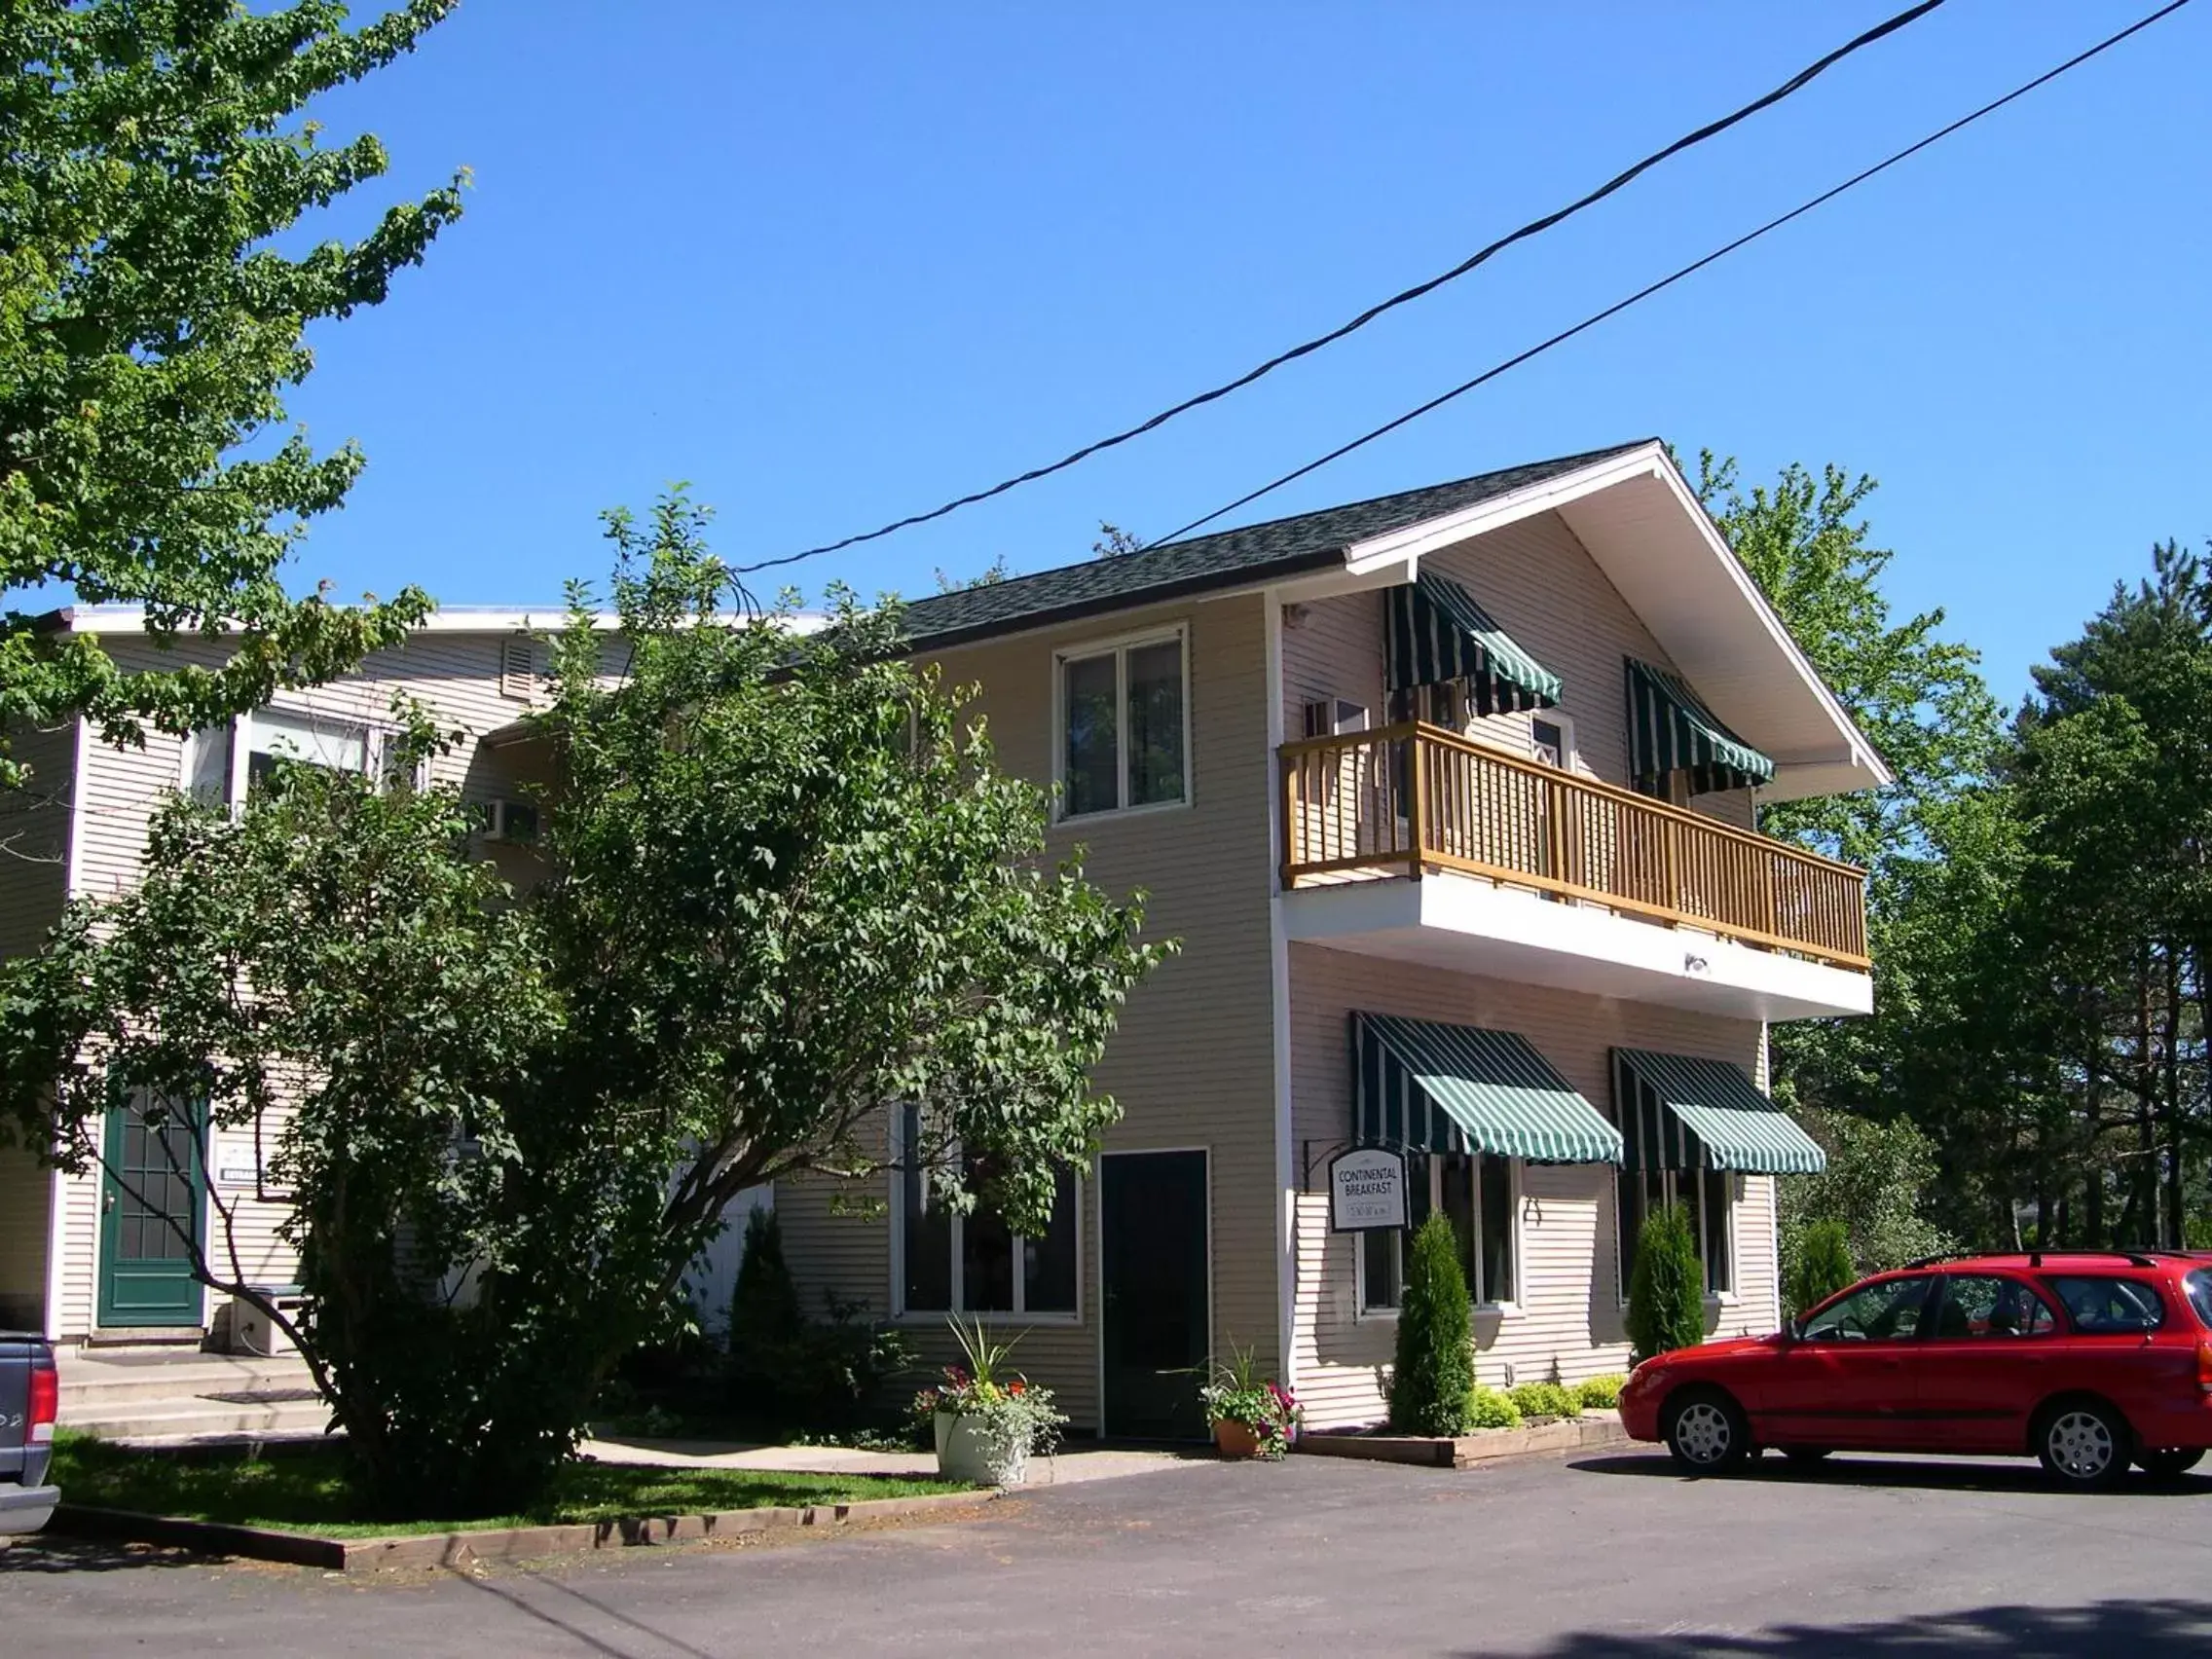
(964, 1449)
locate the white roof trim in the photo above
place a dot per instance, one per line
(450, 619)
(1852, 765)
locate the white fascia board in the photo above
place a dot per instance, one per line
(1465, 924)
(1857, 751)
(453, 619)
(1409, 542)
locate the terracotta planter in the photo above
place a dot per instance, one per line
(965, 1449)
(1236, 1439)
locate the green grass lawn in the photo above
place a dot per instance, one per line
(304, 1492)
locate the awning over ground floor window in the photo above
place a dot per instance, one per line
(1432, 1088)
(1683, 1112)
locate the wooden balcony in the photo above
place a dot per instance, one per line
(1411, 799)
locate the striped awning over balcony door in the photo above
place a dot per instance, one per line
(1669, 730)
(1434, 632)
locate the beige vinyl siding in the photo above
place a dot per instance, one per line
(457, 676)
(1192, 1064)
(1567, 1319)
(1540, 584)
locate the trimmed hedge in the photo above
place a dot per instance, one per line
(1599, 1393)
(1490, 1407)
(1546, 1400)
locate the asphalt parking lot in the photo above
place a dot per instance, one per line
(1608, 1557)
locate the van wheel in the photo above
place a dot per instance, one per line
(2084, 1445)
(2168, 1465)
(1706, 1431)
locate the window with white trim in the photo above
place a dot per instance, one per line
(1709, 1198)
(1124, 736)
(974, 1263)
(227, 763)
(1480, 1194)
(1550, 739)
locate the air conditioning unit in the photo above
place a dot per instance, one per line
(253, 1331)
(510, 820)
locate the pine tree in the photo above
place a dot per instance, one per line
(1435, 1359)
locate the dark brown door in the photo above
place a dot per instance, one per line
(1154, 1331)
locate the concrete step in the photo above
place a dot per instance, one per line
(181, 1420)
(97, 1384)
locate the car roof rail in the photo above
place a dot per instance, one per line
(2133, 1258)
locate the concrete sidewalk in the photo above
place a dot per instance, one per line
(1070, 1465)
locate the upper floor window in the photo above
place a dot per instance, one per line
(225, 763)
(1125, 725)
(1550, 739)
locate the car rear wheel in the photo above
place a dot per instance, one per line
(1706, 1431)
(2169, 1465)
(2086, 1445)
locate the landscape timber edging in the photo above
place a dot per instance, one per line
(491, 1543)
(1461, 1452)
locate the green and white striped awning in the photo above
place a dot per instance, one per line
(1669, 730)
(1431, 1087)
(1434, 632)
(1683, 1112)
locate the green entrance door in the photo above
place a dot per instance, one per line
(154, 1186)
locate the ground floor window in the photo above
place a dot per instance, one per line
(974, 1263)
(1477, 1192)
(1708, 1194)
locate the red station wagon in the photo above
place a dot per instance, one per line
(2088, 1360)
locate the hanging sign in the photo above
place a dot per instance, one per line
(1367, 1190)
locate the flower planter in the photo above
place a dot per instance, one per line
(966, 1450)
(1236, 1439)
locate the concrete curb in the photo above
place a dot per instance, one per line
(1484, 1446)
(460, 1549)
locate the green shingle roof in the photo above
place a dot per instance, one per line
(1175, 568)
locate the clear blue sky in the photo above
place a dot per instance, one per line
(834, 263)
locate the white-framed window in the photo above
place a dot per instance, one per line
(223, 763)
(1481, 1194)
(1122, 724)
(943, 1263)
(1710, 1196)
(1551, 738)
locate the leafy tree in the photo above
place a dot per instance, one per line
(1878, 1176)
(1921, 699)
(1665, 1291)
(149, 324)
(785, 886)
(1819, 1267)
(1115, 542)
(1435, 1361)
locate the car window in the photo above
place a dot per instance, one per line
(1985, 1304)
(1883, 1313)
(2103, 1305)
(2199, 1285)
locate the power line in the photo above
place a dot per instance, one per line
(1711, 129)
(1671, 279)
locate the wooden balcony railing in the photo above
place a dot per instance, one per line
(1413, 797)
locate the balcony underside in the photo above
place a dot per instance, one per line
(1468, 925)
